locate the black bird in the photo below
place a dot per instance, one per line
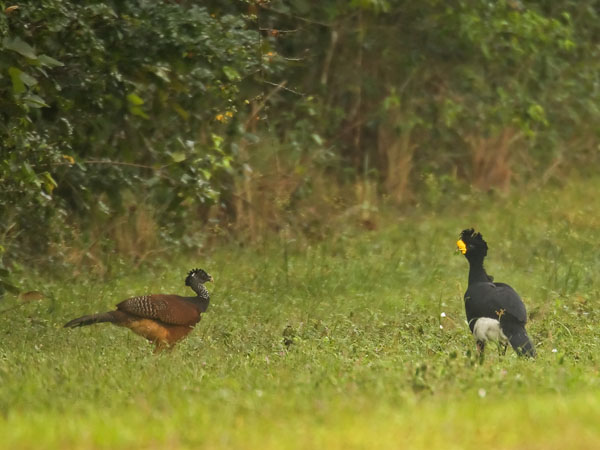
(495, 312)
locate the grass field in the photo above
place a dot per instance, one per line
(372, 362)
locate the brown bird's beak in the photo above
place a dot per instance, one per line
(211, 279)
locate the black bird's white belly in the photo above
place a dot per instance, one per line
(488, 329)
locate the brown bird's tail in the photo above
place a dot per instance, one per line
(91, 319)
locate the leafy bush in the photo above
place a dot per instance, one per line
(97, 99)
(426, 87)
(273, 114)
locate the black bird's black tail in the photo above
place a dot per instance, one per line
(90, 320)
(519, 340)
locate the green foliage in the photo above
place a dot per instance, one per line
(100, 98)
(444, 75)
(334, 344)
(196, 111)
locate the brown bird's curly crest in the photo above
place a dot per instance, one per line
(198, 275)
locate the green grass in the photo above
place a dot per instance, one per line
(369, 365)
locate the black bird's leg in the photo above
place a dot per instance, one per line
(480, 349)
(501, 348)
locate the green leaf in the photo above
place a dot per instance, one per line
(48, 61)
(17, 82)
(135, 99)
(231, 73)
(537, 113)
(205, 174)
(178, 156)
(217, 141)
(35, 101)
(49, 182)
(20, 46)
(27, 79)
(29, 175)
(161, 72)
(137, 111)
(104, 208)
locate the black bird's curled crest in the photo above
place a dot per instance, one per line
(474, 241)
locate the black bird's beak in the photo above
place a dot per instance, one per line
(461, 246)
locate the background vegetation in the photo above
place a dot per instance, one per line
(130, 128)
(332, 149)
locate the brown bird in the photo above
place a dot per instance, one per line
(162, 319)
